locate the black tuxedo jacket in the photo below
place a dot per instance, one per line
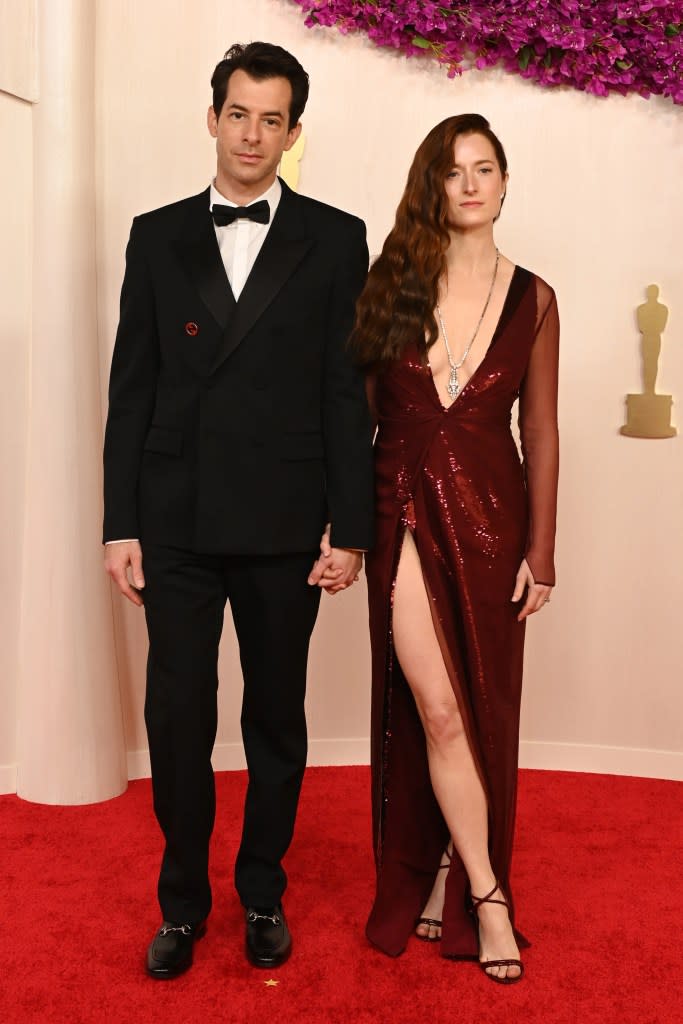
(239, 427)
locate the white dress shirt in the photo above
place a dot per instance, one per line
(240, 242)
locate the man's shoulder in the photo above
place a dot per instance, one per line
(330, 218)
(172, 213)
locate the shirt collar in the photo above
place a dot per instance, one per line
(272, 195)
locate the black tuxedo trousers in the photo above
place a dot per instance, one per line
(236, 430)
(274, 611)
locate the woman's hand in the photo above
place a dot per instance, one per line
(537, 594)
(337, 568)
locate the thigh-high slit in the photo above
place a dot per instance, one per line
(410, 830)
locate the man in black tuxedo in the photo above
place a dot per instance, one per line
(237, 429)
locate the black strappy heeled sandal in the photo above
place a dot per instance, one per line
(485, 964)
(432, 922)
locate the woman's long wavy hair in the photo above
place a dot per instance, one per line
(397, 305)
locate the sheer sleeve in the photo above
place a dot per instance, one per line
(371, 391)
(539, 436)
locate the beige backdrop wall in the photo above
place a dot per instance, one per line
(593, 206)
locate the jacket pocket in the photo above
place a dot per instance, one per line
(164, 441)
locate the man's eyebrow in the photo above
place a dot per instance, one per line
(266, 113)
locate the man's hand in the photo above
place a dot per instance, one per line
(537, 594)
(117, 558)
(337, 568)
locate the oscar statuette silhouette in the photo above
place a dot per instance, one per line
(649, 414)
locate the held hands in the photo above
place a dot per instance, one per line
(537, 594)
(337, 568)
(117, 558)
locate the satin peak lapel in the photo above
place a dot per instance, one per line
(282, 252)
(201, 260)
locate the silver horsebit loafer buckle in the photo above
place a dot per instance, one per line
(254, 916)
(186, 929)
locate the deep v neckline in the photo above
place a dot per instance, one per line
(490, 345)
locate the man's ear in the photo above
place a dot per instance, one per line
(292, 135)
(212, 122)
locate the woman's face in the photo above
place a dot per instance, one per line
(475, 184)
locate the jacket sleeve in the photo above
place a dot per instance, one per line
(132, 390)
(345, 415)
(539, 437)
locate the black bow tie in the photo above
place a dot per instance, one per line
(260, 212)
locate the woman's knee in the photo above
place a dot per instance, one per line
(442, 721)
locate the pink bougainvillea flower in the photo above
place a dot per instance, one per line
(598, 47)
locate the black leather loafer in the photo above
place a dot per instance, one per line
(170, 951)
(268, 940)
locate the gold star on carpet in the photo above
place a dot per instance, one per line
(271, 983)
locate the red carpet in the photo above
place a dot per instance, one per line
(598, 878)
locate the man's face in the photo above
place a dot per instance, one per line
(251, 134)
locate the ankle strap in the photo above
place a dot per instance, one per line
(478, 900)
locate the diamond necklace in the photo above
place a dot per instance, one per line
(453, 387)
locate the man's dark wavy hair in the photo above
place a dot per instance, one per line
(260, 61)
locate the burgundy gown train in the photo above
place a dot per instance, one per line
(453, 477)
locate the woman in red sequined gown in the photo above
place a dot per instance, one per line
(464, 549)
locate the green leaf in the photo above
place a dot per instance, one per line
(524, 57)
(672, 30)
(624, 65)
(420, 41)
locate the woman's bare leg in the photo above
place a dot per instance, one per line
(453, 773)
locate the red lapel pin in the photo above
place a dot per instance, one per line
(192, 328)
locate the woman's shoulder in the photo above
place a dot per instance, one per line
(545, 293)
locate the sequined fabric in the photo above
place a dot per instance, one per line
(454, 478)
